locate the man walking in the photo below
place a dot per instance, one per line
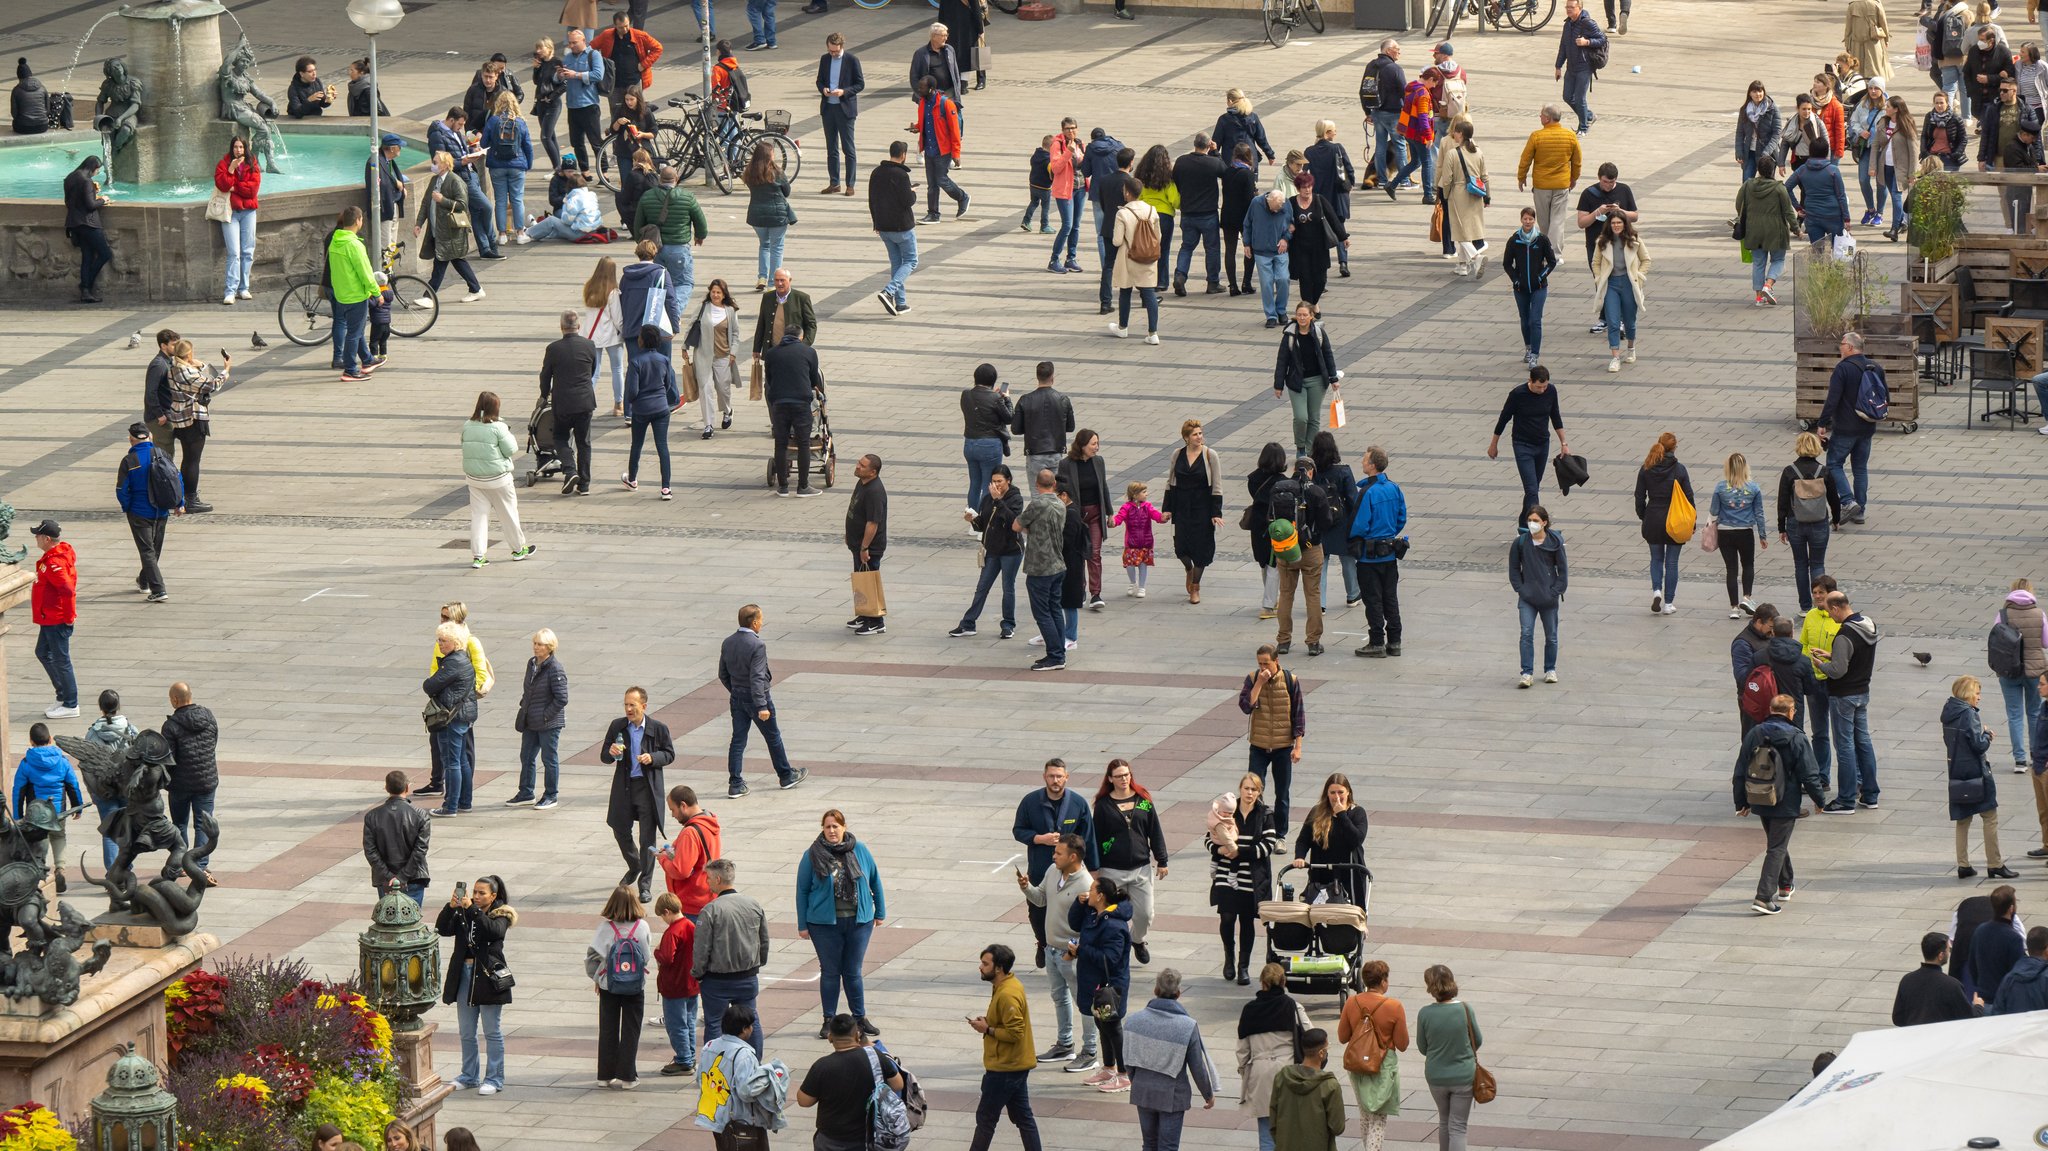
(567, 369)
(937, 125)
(892, 209)
(582, 72)
(145, 519)
(786, 309)
(1267, 225)
(867, 530)
(1846, 430)
(1272, 697)
(1106, 194)
(1376, 534)
(543, 705)
(732, 947)
(1005, 1053)
(791, 381)
(674, 211)
(1748, 651)
(684, 862)
(1163, 1050)
(1044, 818)
(1550, 160)
(53, 605)
(1379, 94)
(1773, 771)
(1049, 899)
(1198, 177)
(641, 747)
(395, 837)
(1044, 522)
(1533, 408)
(1307, 1107)
(1848, 666)
(1577, 45)
(194, 737)
(1606, 196)
(840, 84)
(743, 669)
(1313, 509)
(1044, 419)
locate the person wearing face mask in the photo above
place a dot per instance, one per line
(1539, 574)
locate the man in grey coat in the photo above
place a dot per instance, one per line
(743, 669)
(731, 949)
(1162, 1049)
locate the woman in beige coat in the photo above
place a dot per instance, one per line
(1620, 296)
(1866, 37)
(1457, 170)
(1266, 1033)
(1135, 275)
(580, 14)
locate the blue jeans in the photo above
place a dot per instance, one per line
(682, 279)
(1071, 617)
(1206, 231)
(771, 734)
(1069, 232)
(1530, 614)
(902, 248)
(455, 767)
(239, 233)
(1578, 91)
(1820, 726)
(53, 651)
(1045, 611)
(1855, 758)
(838, 138)
(1765, 266)
(1951, 82)
(108, 848)
(1664, 570)
(1272, 283)
(1159, 1130)
(1041, 203)
(186, 807)
(1337, 551)
(2022, 707)
(351, 322)
(1421, 156)
(546, 745)
(722, 991)
(991, 567)
(467, 1016)
(769, 252)
(617, 354)
(761, 17)
(508, 199)
(1005, 1091)
(1529, 307)
(937, 165)
(1265, 1133)
(1855, 449)
(1389, 150)
(658, 422)
(679, 1019)
(1165, 246)
(1619, 310)
(1281, 762)
(983, 455)
(554, 228)
(1809, 544)
(1747, 157)
(1149, 297)
(1529, 462)
(842, 948)
(479, 213)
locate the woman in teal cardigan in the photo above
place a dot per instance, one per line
(1447, 1034)
(839, 893)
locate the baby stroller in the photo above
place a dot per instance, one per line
(824, 457)
(1322, 945)
(540, 442)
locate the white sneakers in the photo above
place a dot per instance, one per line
(423, 302)
(59, 711)
(473, 297)
(1550, 677)
(228, 300)
(1478, 265)
(1614, 364)
(1526, 681)
(1118, 332)
(1152, 338)
(1670, 609)
(1630, 358)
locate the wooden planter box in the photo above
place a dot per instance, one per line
(2025, 338)
(1919, 271)
(1886, 339)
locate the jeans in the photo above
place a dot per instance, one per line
(508, 199)
(902, 248)
(554, 228)
(1856, 450)
(982, 454)
(1335, 550)
(1272, 283)
(1809, 544)
(1578, 91)
(1069, 232)
(1454, 1111)
(1159, 1130)
(1765, 266)
(842, 948)
(679, 1020)
(148, 533)
(53, 651)
(186, 809)
(1529, 462)
(1421, 156)
(1203, 230)
(546, 745)
(462, 269)
(467, 1016)
(94, 254)
(722, 991)
(838, 138)
(1819, 725)
(1308, 409)
(1000, 1091)
(456, 768)
(2022, 707)
(770, 249)
(1619, 309)
(936, 180)
(1777, 870)
(771, 733)
(1951, 82)
(1530, 614)
(1389, 150)
(350, 322)
(1281, 761)
(991, 567)
(761, 17)
(1064, 979)
(659, 422)
(1045, 611)
(1529, 307)
(1070, 624)
(1165, 246)
(1041, 203)
(1664, 570)
(788, 422)
(682, 279)
(239, 233)
(1149, 297)
(480, 224)
(1855, 758)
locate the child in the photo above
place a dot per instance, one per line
(46, 774)
(676, 953)
(1041, 188)
(380, 320)
(1137, 515)
(111, 729)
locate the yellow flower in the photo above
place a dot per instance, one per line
(244, 1082)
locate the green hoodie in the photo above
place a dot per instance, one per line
(1307, 1109)
(348, 268)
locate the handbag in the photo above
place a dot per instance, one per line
(1710, 536)
(496, 974)
(1436, 223)
(1250, 519)
(436, 716)
(1483, 1086)
(218, 208)
(754, 380)
(1475, 187)
(1966, 792)
(1739, 226)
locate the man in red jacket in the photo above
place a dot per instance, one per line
(696, 844)
(53, 604)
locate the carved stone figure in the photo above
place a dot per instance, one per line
(119, 104)
(237, 87)
(129, 783)
(9, 555)
(47, 965)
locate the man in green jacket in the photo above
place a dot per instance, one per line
(675, 213)
(352, 281)
(1307, 1106)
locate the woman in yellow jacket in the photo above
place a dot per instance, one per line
(1131, 275)
(1155, 175)
(352, 281)
(1621, 295)
(457, 612)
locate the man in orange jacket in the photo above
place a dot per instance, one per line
(53, 604)
(696, 843)
(937, 125)
(629, 56)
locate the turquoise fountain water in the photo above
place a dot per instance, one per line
(305, 160)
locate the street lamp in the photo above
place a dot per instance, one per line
(134, 1113)
(374, 16)
(400, 960)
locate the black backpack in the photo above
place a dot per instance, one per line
(166, 484)
(2005, 650)
(505, 144)
(1284, 499)
(741, 98)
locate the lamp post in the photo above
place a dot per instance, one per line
(401, 961)
(134, 1113)
(374, 16)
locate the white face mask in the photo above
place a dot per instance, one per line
(1536, 527)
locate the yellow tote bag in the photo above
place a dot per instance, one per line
(1680, 521)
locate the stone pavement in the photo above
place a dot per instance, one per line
(1569, 852)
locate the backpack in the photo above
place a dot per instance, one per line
(1284, 499)
(1369, 84)
(1680, 521)
(1810, 498)
(167, 484)
(622, 971)
(739, 98)
(888, 1118)
(914, 1104)
(1952, 29)
(505, 146)
(1760, 778)
(1596, 55)
(1757, 692)
(1453, 100)
(2005, 650)
(1144, 247)
(1873, 395)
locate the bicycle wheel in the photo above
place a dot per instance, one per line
(789, 158)
(1457, 10)
(606, 159)
(1530, 15)
(669, 142)
(719, 171)
(1279, 26)
(1312, 12)
(408, 318)
(305, 315)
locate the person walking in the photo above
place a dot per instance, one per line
(1154, 174)
(1377, 541)
(451, 690)
(937, 124)
(1865, 35)
(1737, 511)
(351, 283)
(1944, 135)
(1550, 159)
(1239, 187)
(138, 501)
(603, 320)
(652, 396)
(1307, 1104)
(1462, 186)
(1100, 947)
(1043, 817)
(616, 961)
(1539, 573)
(1528, 261)
(1168, 1064)
(673, 211)
(1658, 481)
(1847, 666)
(194, 738)
(743, 669)
(1268, 476)
(1766, 219)
(1132, 846)
(1197, 181)
(732, 947)
(1774, 771)
(1380, 91)
(1006, 1059)
(46, 778)
(867, 530)
(1533, 408)
(1314, 514)
(548, 87)
(641, 747)
(1844, 427)
(1138, 230)
(1448, 1036)
(1972, 789)
(1194, 505)
(892, 208)
(1043, 524)
(1579, 44)
(1051, 898)
(53, 606)
(1239, 124)
(1241, 839)
(583, 79)
(1267, 228)
(1268, 1035)
(543, 706)
(478, 981)
(1330, 165)
(396, 836)
(792, 383)
(1808, 508)
(444, 214)
(846, 1087)
(488, 450)
(768, 210)
(239, 176)
(2020, 613)
(1373, 1028)
(1758, 126)
(1084, 474)
(1314, 227)
(1822, 201)
(1331, 839)
(1620, 265)
(568, 385)
(1273, 698)
(712, 352)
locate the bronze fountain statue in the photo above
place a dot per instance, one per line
(236, 88)
(120, 103)
(127, 783)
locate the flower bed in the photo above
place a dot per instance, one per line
(32, 1127)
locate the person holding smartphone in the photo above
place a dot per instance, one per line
(478, 982)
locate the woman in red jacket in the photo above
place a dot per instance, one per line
(239, 177)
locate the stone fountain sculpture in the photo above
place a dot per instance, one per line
(47, 966)
(129, 781)
(117, 113)
(236, 88)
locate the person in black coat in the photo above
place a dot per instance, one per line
(1963, 735)
(1661, 475)
(641, 747)
(1996, 945)
(194, 737)
(966, 21)
(543, 701)
(566, 370)
(1239, 187)
(1271, 469)
(1083, 475)
(84, 228)
(307, 95)
(1002, 551)
(396, 836)
(1334, 176)
(1798, 775)
(1928, 994)
(839, 106)
(1074, 548)
(1317, 229)
(1333, 833)
(478, 981)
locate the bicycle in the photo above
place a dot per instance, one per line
(774, 131)
(871, 5)
(694, 143)
(1524, 15)
(1282, 15)
(306, 315)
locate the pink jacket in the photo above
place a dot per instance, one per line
(1138, 520)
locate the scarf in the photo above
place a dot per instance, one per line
(1527, 235)
(1271, 1010)
(1755, 111)
(838, 863)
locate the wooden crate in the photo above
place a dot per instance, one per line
(1990, 259)
(1937, 299)
(2025, 338)
(1816, 357)
(2027, 265)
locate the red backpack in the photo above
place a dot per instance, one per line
(1758, 691)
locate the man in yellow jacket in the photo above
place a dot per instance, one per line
(1006, 1053)
(1551, 157)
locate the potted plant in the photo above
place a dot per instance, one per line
(1934, 210)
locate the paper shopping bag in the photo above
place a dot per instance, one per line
(867, 595)
(1336, 419)
(754, 381)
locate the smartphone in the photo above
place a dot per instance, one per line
(224, 357)
(461, 890)
(1830, 69)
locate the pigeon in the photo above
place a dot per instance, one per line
(1925, 658)
(135, 339)
(256, 340)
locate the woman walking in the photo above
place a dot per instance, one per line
(1270, 469)
(1132, 845)
(1155, 177)
(1240, 125)
(1194, 505)
(1737, 511)
(193, 384)
(547, 99)
(1899, 164)
(1660, 476)
(839, 895)
(1528, 261)
(1866, 144)
(1757, 126)
(1972, 790)
(1620, 265)
(1808, 508)
(620, 952)
(1764, 210)
(478, 981)
(1332, 837)
(1374, 1031)
(651, 396)
(1448, 1036)
(1134, 220)
(768, 210)
(508, 155)
(1101, 953)
(241, 178)
(1822, 200)
(1943, 134)
(1002, 551)
(1330, 164)
(1539, 574)
(1341, 484)
(488, 450)
(1268, 1038)
(2022, 612)
(1240, 187)
(1304, 373)
(444, 212)
(602, 322)
(1461, 183)
(1083, 473)
(1316, 229)
(1241, 840)
(712, 348)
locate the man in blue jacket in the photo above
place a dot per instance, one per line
(1377, 542)
(582, 72)
(1846, 432)
(145, 519)
(1042, 817)
(2025, 987)
(46, 774)
(1267, 224)
(1575, 44)
(743, 669)
(450, 134)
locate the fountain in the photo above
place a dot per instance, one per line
(162, 119)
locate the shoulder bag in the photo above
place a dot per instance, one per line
(218, 208)
(494, 972)
(1474, 187)
(1483, 1086)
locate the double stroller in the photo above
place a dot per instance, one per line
(1320, 939)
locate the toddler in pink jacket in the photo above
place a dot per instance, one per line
(1137, 515)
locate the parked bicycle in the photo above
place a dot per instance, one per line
(1523, 15)
(1281, 16)
(774, 131)
(696, 142)
(306, 315)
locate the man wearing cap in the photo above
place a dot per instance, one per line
(1447, 95)
(145, 519)
(54, 607)
(391, 184)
